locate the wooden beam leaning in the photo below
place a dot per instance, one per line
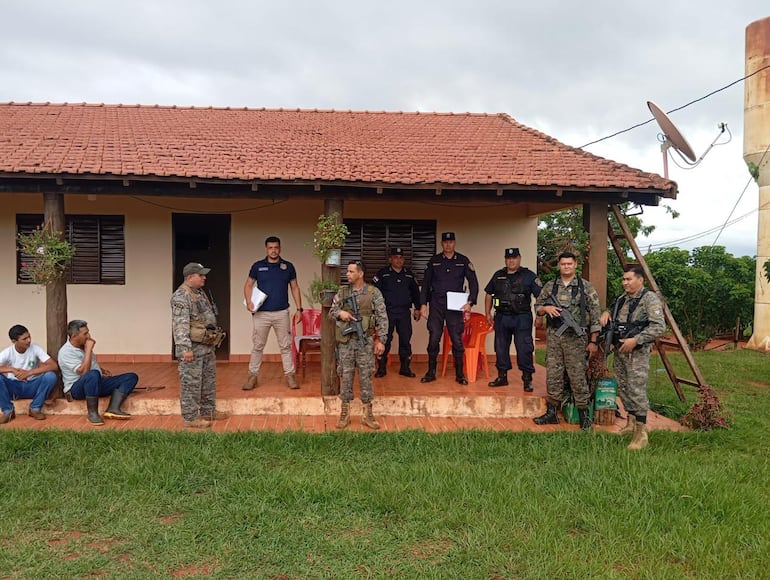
(330, 383)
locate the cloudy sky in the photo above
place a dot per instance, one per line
(578, 71)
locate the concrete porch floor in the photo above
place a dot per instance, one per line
(400, 403)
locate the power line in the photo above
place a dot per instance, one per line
(706, 96)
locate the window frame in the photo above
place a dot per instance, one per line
(102, 239)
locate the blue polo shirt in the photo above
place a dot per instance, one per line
(273, 279)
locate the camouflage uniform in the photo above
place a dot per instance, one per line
(352, 353)
(197, 379)
(567, 353)
(632, 370)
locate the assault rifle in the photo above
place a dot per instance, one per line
(355, 324)
(567, 320)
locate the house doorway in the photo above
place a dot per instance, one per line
(205, 238)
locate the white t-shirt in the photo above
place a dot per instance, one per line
(70, 358)
(26, 361)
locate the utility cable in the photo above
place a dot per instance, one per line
(712, 93)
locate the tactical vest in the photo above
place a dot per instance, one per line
(203, 329)
(365, 311)
(510, 297)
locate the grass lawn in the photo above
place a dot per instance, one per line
(399, 505)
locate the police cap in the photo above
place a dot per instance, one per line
(512, 252)
(396, 251)
(447, 236)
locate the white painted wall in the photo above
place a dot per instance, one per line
(135, 318)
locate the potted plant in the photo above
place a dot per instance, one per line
(328, 239)
(45, 254)
(321, 291)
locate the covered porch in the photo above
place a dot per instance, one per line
(400, 403)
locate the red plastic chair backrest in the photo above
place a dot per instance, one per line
(311, 321)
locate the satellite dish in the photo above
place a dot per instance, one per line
(672, 137)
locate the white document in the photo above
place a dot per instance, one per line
(257, 298)
(456, 300)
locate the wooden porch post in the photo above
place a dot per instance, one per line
(55, 293)
(595, 217)
(330, 382)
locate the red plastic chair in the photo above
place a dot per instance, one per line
(474, 340)
(309, 340)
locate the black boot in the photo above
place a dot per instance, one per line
(430, 376)
(113, 411)
(459, 374)
(549, 418)
(92, 404)
(382, 366)
(501, 380)
(405, 370)
(585, 420)
(527, 379)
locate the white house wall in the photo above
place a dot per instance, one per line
(135, 319)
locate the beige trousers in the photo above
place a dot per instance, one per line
(278, 320)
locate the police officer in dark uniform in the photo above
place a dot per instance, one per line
(447, 272)
(400, 290)
(510, 290)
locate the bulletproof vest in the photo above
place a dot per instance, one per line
(510, 297)
(365, 311)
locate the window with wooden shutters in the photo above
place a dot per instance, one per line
(371, 240)
(100, 250)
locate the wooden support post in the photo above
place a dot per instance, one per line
(595, 266)
(55, 293)
(330, 383)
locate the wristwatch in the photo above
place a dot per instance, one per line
(300, 309)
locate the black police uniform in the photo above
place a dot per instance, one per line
(513, 319)
(444, 275)
(401, 292)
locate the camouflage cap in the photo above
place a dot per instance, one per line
(195, 268)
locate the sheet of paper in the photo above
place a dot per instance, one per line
(456, 300)
(257, 298)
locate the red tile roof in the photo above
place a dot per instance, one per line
(360, 147)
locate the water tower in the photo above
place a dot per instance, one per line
(756, 153)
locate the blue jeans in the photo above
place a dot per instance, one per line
(93, 384)
(37, 389)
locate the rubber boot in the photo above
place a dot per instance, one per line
(501, 380)
(585, 420)
(113, 410)
(527, 380)
(459, 374)
(344, 416)
(382, 366)
(92, 404)
(430, 376)
(405, 371)
(368, 417)
(549, 417)
(640, 440)
(630, 426)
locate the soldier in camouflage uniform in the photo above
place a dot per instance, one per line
(566, 354)
(191, 313)
(638, 321)
(352, 353)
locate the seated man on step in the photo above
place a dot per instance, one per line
(27, 373)
(85, 379)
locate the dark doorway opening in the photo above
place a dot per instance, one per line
(205, 238)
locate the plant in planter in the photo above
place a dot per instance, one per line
(46, 254)
(321, 291)
(329, 235)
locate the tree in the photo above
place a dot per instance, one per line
(708, 291)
